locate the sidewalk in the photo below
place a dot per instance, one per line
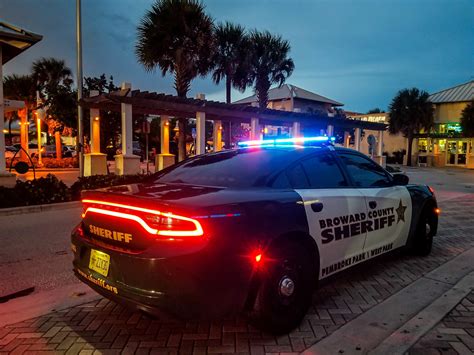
(454, 334)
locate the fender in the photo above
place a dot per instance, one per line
(421, 196)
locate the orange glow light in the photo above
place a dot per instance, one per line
(437, 210)
(197, 232)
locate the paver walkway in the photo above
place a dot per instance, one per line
(453, 335)
(110, 328)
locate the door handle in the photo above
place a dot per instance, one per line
(372, 204)
(317, 206)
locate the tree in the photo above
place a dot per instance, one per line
(410, 112)
(54, 80)
(231, 54)
(176, 36)
(268, 64)
(375, 110)
(19, 87)
(467, 120)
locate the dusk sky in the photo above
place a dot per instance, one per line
(356, 52)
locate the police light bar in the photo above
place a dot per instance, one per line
(290, 141)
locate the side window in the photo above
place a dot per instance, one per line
(281, 182)
(364, 171)
(323, 172)
(297, 177)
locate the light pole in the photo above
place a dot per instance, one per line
(80, 135)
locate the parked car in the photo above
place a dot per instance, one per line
(32, 148)
(69, 151)
(252, 229)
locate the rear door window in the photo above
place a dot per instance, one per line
(323, 172)
(297, 177)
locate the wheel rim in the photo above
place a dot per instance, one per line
(287, 287)
(427, 229)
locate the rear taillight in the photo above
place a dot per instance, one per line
(431, 190)
(155, 222)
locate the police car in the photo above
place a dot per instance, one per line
(252, 229)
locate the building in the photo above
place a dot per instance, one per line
(293, 99)
(393, 143)
(446, 145)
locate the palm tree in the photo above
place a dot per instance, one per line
(467, 120)
(176, 36)
(231, 56)
(49, 73)
(268, 64)
(54, 80)
(19, 87)
(409, 113)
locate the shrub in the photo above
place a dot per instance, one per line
(60, 163)
(44, 190)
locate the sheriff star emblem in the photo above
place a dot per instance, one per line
(401, 212)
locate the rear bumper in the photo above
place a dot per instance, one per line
(188, 285)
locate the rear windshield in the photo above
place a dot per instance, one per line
(235, 168)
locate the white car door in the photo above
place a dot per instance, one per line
(389, 207)
(335, 211)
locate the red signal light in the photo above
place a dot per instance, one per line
(258, 258)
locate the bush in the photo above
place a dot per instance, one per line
(49, 163)
(397, 157)
(50, 189)
(60, 163)
(44, 190)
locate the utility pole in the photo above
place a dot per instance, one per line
(80, 135)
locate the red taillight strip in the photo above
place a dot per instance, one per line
(168, 233)
(105, 203)
(124, 216)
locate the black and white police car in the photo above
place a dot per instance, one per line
(251, 229)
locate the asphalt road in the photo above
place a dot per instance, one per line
(35, 250)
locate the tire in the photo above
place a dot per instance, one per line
(285, 290)
(425, 232)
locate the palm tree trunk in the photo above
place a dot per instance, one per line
(182, 138)
(182, 87)
(262, 86)
(59, 152)
(228, 88)
(409, 150)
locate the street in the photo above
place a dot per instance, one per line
(30, 258)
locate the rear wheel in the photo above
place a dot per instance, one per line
(285, 290)
(424, 234)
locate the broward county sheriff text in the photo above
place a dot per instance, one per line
(341, 227)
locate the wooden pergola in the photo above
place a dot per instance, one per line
(128, 101)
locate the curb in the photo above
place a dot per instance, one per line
(38, 208)
(390, 317)
(400, 341)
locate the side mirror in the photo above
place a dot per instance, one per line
(400, 179)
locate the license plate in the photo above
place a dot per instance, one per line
(99, 262)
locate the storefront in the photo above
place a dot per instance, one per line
(446, 144)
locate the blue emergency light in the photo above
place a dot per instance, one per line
(287, 141)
